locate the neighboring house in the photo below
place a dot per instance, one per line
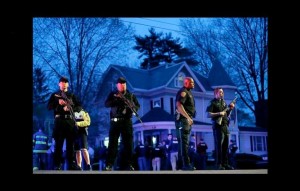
(253, 140)
(156, 91)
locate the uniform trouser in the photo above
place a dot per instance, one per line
(183, 130)
(64, 129)
(232, 161)
(50, 161)
(142, 163)
(123, 128)
(221, 137)
(202, 161)
(40, 160)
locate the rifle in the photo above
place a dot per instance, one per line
(219, 119)
(69, 106)
(130, 105)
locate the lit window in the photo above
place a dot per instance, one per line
(154, 140)
(156, 103)
(179, 79)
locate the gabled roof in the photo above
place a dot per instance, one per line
(157, 114)
(160, 76)
(140, 78)
(218, 76)
(204, 81)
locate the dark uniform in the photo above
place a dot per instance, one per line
(140, 152)
(120, 124)
(220, 132)
(183, 128)
(40, 147)
(64, 128)
(232, 152)
(156, 155)
(201, 152)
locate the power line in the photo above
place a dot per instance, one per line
(154, 26)
(160, 21)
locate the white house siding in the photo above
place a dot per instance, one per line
(161, 127)
(206, 134)
(245, 143)
(202, 99)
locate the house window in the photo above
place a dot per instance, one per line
(156, 103)
(179, 79)
(258, 143)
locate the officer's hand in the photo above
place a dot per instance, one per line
(66, 108)
(222, 113)
(190, 121)
(61, 102)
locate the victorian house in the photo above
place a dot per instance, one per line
(156, 90)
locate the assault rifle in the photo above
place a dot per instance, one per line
(219, 119)
(130, 105)
(69, 104)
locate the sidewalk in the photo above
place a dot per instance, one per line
(252, 171)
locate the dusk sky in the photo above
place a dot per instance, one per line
(160, 24)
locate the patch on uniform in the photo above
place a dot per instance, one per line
(183, 94)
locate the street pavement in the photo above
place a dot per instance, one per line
(250, 171)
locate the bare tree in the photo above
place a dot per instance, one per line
(246, 40)
(80, 49)
(199, 38)
(242, 46)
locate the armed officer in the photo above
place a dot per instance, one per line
(215, 110)
(185, 106)
(123, 105)
(64, 124)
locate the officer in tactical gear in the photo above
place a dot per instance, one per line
(124, 105)
(215, 110)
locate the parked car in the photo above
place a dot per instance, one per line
(251, 161)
